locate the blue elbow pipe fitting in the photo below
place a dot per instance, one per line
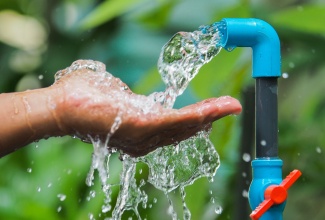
(261, 37)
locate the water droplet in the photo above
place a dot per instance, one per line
(92, 193)
(154, 200)
(229, 49)
(106, 208)
(26, 104)
(245, 193)
(59, 209)
(285, 75)
(140, 171)
(210, 179)
(244, 174)
(29, 170)
(172, 212)
(49, 185)
(142, 182)
(318, 150)
(40, 77)
(263, 143)
(91, 216)
(39, 189)
(218, 210)
(246, 157)
(61, 197)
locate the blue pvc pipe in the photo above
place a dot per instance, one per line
(261, 37)
(264, 41)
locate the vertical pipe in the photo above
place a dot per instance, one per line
(266, 117)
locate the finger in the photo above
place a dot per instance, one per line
(195, 115)
(212, 109)
(181, 124)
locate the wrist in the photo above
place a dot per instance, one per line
(28, 116)
(40, 110)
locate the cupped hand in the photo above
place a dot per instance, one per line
(95, 104)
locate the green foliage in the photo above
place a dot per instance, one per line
(159, 15)
(127, 35)
(301, 19)
(107, 11)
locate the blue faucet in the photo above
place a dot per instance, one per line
(268, 192)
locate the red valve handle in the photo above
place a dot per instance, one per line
(275, 194)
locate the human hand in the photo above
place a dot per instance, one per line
(92, 99)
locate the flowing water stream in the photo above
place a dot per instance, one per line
(170, 167)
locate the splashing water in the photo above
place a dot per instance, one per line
(100, 161)
(86, 64)
(177, 166)
(173, 167)
(130, 194)
(170, 167)
(183, 56)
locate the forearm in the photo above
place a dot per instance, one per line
(27, 117)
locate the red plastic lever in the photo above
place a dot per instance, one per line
(275, 194)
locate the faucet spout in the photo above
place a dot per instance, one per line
(261, 37)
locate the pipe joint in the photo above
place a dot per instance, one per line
(266, 172)
(261, 37)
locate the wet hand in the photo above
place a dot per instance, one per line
(94, 104)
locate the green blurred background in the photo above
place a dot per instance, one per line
(46, 180)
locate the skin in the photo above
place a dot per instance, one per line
(84, 102)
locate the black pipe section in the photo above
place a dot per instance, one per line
(266, 124)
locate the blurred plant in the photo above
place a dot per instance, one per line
(45, 180)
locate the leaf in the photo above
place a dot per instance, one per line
(308, 19)
(158, 17)
(241, 10)
(107, 11)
